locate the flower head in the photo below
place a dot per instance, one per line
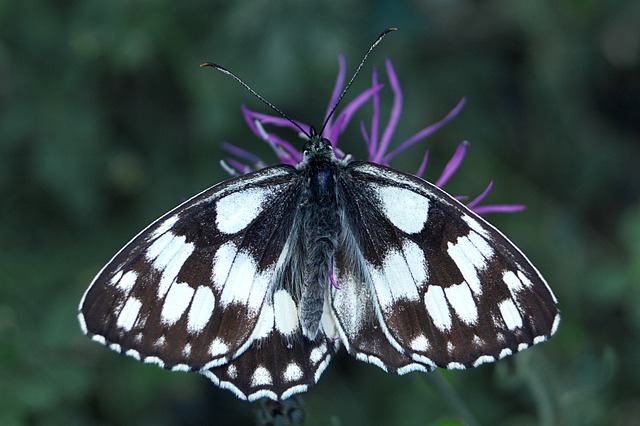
(378, 146)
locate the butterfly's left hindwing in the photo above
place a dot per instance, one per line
(187, 292)
(449, 289)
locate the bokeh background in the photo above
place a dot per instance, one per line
(106, 122)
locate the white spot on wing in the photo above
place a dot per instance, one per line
(154, 360)
(176, 302)
(416, 261)
(292, 373)
(133, 354)
(114, 280)
(510, 314)
(293, 390)
(167, 254)
(437, 307)
(265, 323)
(483, 360)
(482, 246)
(512, 281)
(420, 343)
(539, 339)
(232, 371)
(406, 209)
(218, 347)
(461, 300)
(164, 226)
(347, 303)
(243, 283)
(556, 323)
(127, 281)
(317, 353)
(129, 314)
(201, 309)
(505, 353)
(186, 351)
(237, 210)
(285, 312)
(394, 280)
(469, 261)
(181, 367)
(261, 376)
(222, 262)
(455, 366)
(523, 278)
(161, 341)
(475, 225)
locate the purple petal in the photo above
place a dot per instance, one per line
(423, 165)
(375, 118)
(236, 165)
(287, 153)
(337, 89)
(333, 281)
(480, 197)
(453, 164)
(499, 208)
(242, 153)
(425, 132)
(365, 136)
(271, 119)
(231, 170)
(345, 115)
(396, 109)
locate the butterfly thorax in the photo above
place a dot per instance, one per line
(320, 214)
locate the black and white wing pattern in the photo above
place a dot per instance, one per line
(209, 280)
(255, 282)
(424, 282)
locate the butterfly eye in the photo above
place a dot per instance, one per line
(306, 149)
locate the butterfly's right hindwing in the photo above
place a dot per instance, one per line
(198, 276)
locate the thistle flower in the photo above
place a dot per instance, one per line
(378, 147)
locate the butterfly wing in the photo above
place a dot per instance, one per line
(449, 290)
(188, 292)
(282, 362)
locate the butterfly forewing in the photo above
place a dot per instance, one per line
(187, 292)
(451, 290)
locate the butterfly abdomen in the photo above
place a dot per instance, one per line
(321, 230)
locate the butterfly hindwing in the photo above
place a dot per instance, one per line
(451, 290)
(188, 291)
(282, 361)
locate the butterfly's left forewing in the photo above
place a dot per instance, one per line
(188, 292)
(449, 289)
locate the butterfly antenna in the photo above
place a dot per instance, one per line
(254, 93)
(355, 74)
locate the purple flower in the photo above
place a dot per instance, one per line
(378, 147)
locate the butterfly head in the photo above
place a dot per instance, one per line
(317, 147)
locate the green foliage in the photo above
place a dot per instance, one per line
(106, 122)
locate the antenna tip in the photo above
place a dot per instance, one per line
(207, 64)
(393, 29)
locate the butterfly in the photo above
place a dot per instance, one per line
(259, 280)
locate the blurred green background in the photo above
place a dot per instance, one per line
(107, 122)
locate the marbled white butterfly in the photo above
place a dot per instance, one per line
(257, 281)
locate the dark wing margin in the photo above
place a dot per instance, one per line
(187, 292)
(451, 290)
